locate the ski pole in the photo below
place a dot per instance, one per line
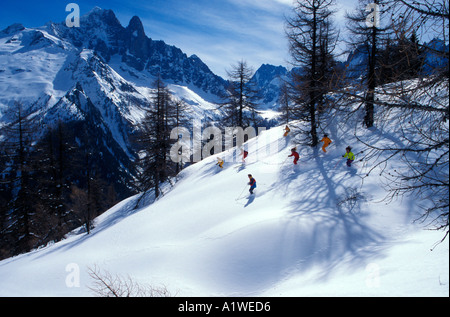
(241, 193)
(284, 160)
(338, 162)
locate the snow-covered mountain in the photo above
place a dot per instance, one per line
(40, 66)
(104, 72)
(433, 55)
(269, 78)
(101, 32)
(100, 73)
(315, 229)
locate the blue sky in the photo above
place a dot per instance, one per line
(220, 32)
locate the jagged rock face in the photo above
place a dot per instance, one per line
(135, 39)
(101, 31)
(269, 79)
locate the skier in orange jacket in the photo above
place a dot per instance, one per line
(326, 142)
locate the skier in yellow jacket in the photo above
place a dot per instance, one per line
(326, 142)
(349, 155)
(220, 162)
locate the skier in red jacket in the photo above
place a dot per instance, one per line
(295, 155)
(244, 154)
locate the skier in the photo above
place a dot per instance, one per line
(286, 131)
(295, 155)
(326, 142)
(252, 183)
(349, 155)
(244, 154)
(219, 162)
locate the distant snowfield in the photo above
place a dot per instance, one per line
(315, 229)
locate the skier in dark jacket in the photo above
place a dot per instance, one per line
(252, 183)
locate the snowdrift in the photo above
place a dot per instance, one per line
(315, 229)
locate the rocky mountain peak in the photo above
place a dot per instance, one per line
(136, 28)
(16, 27)
(100, 16)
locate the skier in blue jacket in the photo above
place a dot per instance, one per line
(252, 183)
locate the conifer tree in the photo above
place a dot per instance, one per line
(369, 33)
(19, 181)
(312, 41)
(154, 163)
(52, 154)
(241, 99)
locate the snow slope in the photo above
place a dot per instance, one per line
(315, 229)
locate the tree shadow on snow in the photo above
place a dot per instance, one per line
(327, 220)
